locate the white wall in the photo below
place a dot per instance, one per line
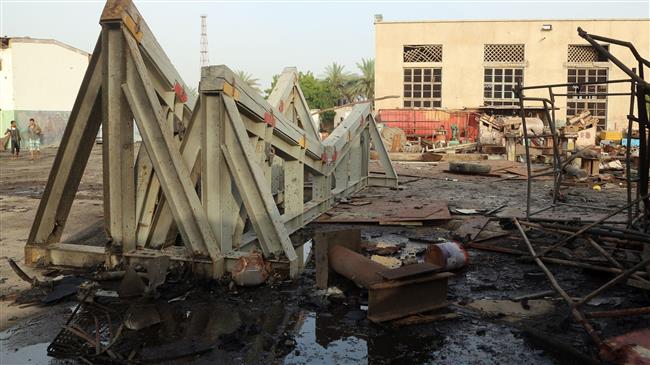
(6, 80)
(46, 76)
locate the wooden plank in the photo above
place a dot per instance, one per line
(72, 156)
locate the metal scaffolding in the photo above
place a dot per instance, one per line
(233, 174)
(639, 97)
(595, 234)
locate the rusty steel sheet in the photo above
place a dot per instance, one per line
(629, 348)
(384, 211)
(410, 271)
(392, 293)
(471, 228)
(401, 298)
(354, 266)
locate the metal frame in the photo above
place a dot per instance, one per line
(638, 209)
(639, 91)
(235, 182)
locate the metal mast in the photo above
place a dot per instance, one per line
(205, 59)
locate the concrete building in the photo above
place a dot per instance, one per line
(467, 64)
(39, 78)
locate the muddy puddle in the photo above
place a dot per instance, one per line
(286, 329)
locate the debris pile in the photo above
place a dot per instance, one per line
(396, 287)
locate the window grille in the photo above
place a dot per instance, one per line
(423, 53)
(582, 97)
(511, 53)
(499, 85)
(422, 87)
(578, 54)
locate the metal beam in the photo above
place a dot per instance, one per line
(71, 159)
(256, 194)
(250, 159)
(172, 172)
(118, 146)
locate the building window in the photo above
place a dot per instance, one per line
(508, 53)
(582, 53)
(422, 53)
(499, 85)
(422, 87)
(581, 97)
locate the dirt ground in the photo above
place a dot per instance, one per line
(293, 323)
(21, 186)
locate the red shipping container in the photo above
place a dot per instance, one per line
(425, 123)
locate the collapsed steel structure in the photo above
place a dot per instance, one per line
(230, 173)
(639, 207)
(596, 233)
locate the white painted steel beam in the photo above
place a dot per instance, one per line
(73, 153)
(242, 159)
(171, 170)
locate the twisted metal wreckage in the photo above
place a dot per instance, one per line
(207, 168)
(597, 233)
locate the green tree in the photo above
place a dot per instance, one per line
(340, 82)
(317, 92)
(249, 79)
(267, 92)
(364, 85)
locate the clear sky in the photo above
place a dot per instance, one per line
(262, 37)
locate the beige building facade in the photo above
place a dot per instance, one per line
(467, 64)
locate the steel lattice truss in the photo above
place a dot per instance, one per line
(246, 174)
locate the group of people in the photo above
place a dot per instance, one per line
(34, 137)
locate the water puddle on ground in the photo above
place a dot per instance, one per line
(33, 354)
(347, 338)
(313, 346)
(259, 326)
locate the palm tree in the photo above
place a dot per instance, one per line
(340, 81)
(365, 84)
(249, 79)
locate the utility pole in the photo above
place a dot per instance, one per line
(205, 59)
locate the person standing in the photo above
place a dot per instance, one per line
(14, 134)
(35, 134)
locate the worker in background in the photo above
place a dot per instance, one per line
(14, 139)
(35, 134)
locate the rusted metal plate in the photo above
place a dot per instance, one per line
(630, 348)
(384, 210)
(356, 267)
(409, 271)
(115, 9)
(400, 298)
(469, 230)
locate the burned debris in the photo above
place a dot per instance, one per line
(234, 233)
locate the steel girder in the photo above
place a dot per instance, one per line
(231, 172)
